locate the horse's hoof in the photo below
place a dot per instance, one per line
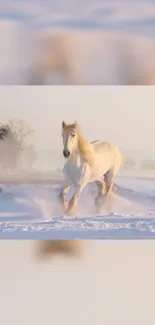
(71, 212)
(97, 209)
(98, 205)
(64, 206)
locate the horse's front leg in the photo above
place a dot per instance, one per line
(74, 200)
(62, 195)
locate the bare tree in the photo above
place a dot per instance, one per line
(30, 155)
(4, 130)
(15, 134)
(21, 131)
(7, 146)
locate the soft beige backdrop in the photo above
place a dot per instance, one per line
(111, 282)
(123, 115)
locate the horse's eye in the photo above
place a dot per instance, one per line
(73, 135)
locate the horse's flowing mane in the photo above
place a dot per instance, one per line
(85, 147)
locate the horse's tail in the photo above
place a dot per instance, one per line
(118, 161)
(119, 157)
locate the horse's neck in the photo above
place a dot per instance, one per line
(84, 142)
(76, 157)
(86, 150)
(83, 152)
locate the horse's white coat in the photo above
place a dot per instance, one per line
(90, 164)
(77, 171)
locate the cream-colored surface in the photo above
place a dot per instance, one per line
(121, 115)
(111, 282)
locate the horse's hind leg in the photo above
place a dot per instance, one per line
(101, 185)
(111, 174)
(106, 187)
(105, 191)
(109, 181)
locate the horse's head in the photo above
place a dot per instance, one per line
(70, 138)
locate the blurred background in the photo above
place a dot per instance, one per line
(33, 117)
(77, 42)
(108, 282)
(31, 160)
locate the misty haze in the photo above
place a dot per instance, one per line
(31, 164)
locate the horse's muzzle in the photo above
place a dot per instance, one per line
(66, 153)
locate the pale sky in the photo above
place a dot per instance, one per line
(123, 115)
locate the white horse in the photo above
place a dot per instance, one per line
(87, 163)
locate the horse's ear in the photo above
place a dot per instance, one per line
(75, 122)
(63, 124)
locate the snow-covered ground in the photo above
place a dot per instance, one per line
(111, 282)
(32, 211)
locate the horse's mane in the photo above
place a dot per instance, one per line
(85, 147)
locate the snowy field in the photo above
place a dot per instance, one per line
(32, 212)
(111, 282)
